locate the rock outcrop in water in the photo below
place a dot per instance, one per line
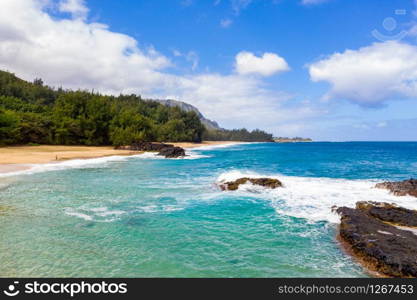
(172, 152)
(264, 182)
(167, 150)
(400, 188)
(390, 213)
(381, 236)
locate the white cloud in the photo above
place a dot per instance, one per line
(238, 5)
(193, 58)
(76, 8)
(312, 2)
(266, 65)
(370, 75)
(382, 124)
(176, 53)
(412, 31)
(225, 23)
(73, 53)
(187, 2)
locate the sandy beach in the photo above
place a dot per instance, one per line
(20, 158)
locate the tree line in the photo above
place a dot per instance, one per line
(242, 135)
(32, 113)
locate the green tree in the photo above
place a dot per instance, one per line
(9, 127)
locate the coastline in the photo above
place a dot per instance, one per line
(22, 158)
(368, 265)
(204, 144)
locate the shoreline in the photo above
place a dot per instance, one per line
(22, 158)
(367, 265)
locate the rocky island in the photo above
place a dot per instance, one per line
(264, 182)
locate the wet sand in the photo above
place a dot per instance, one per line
(19, 158)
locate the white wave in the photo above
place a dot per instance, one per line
(80, 215)
(98, 214)
(313, 198)
(213, 147)
(5, 183)
(16, 173)
(194, 155)
(160, 208)
(104, 212)
(189, 155)
(148, 208)
(70, 164)
(149, 155)
(90, 163)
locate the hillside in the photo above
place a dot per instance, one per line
(209, 124)
(33, 113)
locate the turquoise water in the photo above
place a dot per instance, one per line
(145, 216)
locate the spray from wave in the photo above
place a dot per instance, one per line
(312, 198)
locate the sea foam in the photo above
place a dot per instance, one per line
(69, 164)
(220, 146)
(91, 163)
(312, 198)
(97, 214)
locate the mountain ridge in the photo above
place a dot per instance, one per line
(209, 124)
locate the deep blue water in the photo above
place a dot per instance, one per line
(151, 217)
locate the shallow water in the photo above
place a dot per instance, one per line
(146, 216)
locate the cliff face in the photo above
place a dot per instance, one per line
(209, 124)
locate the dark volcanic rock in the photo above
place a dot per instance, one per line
(167, 150)
(383, 247)
(265, 182)
(145, 146)
(389, 213)
(400, 188)
(172, 152)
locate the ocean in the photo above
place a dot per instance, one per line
(146, 216)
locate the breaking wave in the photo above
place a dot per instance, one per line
(312, 198)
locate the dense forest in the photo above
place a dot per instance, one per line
(32, 113)
(242, 135)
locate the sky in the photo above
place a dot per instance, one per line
(332, 70)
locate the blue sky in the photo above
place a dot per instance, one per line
(292, 67)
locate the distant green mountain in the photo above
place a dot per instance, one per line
(31, 112)
(209, 124)
(214, 132)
